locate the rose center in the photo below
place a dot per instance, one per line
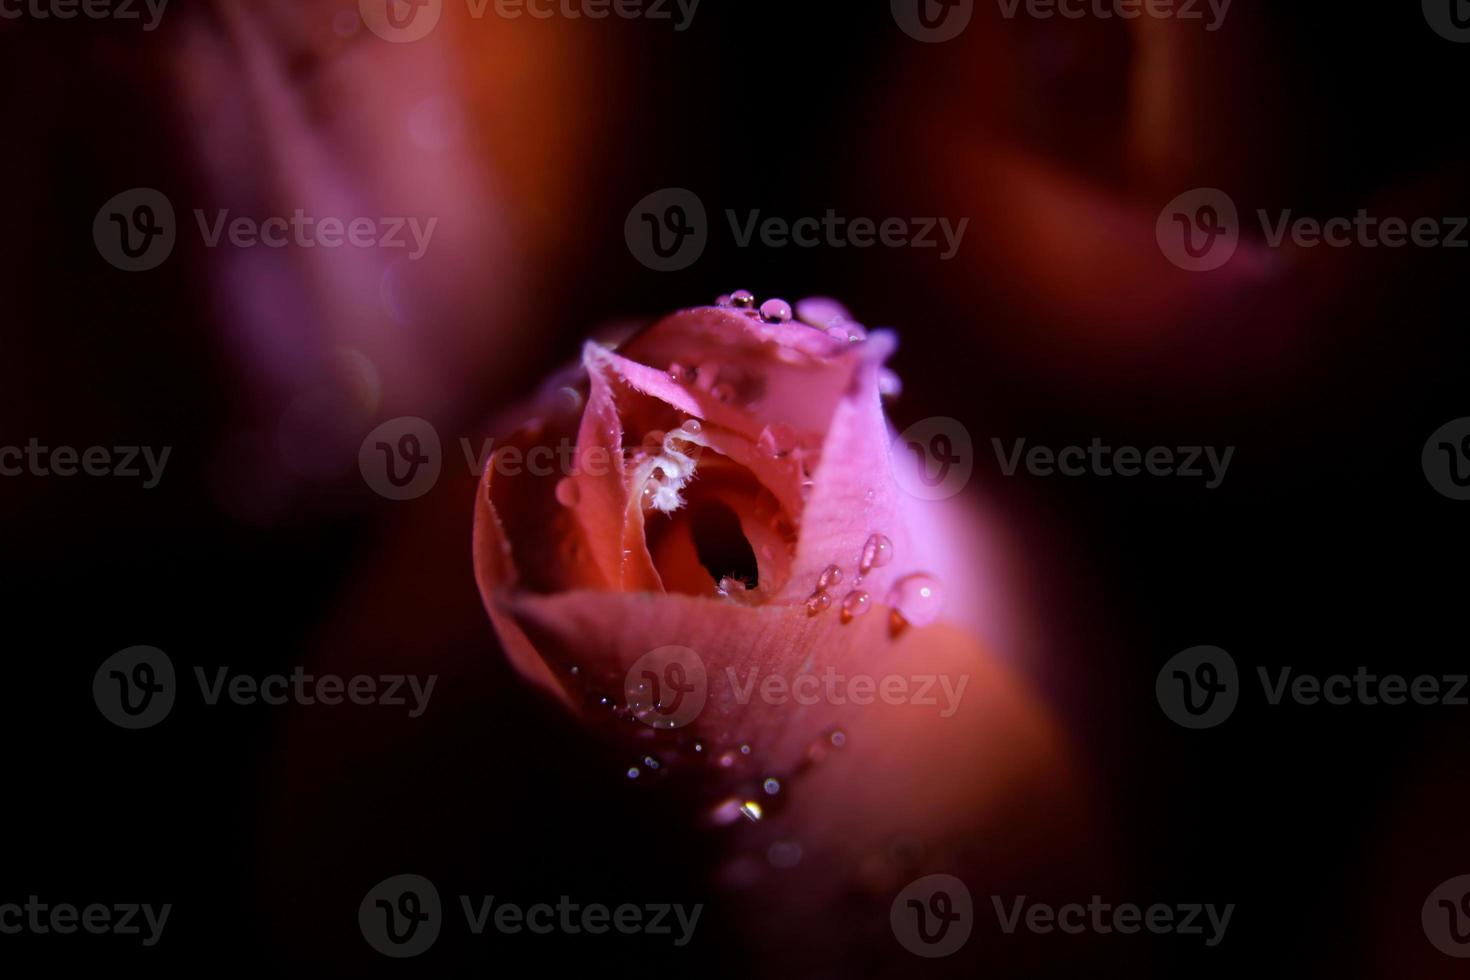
(721, 545)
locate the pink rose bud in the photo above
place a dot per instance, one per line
(729, 574)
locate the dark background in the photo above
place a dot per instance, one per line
(1325, 548)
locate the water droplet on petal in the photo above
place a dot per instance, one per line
(838, 739)
(570, 398)
(771, 786)
(819, 602)
(877, 552)
(633, 772)
(723, 300)
(742, 299)
(821, 312)
(776, 311)
(692, 426)
(917, 598)
(889, 385)
(855, 605)
(567, 493)
(830, 577)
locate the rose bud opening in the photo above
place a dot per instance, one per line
(736, 571)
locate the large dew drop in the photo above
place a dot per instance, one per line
(917, 598)
(567, 493)
(877, 552)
